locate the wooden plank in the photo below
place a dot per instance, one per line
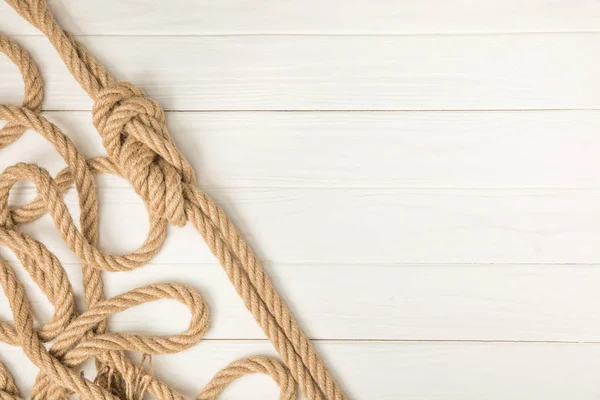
(373, 302)
(544, 149)
(204, 17)
(532, 71)
(372, 225)
(391, 371)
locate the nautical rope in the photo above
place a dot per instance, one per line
(140, 149)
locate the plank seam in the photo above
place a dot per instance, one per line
(324, 34)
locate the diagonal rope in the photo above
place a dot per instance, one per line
(140, 148)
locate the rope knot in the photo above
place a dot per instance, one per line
(134, 131)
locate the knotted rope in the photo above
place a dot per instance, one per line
(140, 148)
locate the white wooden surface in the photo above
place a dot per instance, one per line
(420, 178)
(197, 17)
(347, 72)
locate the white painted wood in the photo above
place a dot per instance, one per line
(193, 17)
(402, 239)
(373, 302)
(391, 371)
(364, 150)
(372, 226)
(532, 71)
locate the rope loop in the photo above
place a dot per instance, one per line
(251, 365)
(140, 148)
(32, 80)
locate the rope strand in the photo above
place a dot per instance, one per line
(140, 148)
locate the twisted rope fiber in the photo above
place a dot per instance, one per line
(140, 149)
(56, 371)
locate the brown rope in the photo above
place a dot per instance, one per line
(140, 148)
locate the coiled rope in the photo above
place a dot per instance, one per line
(141, 150)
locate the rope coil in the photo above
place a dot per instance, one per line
(140, 148)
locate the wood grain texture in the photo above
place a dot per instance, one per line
(427, 203)
(533, 71)
(371, 225)
(483, 150)
(205, 17)
(389, 302)
(391, 371)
